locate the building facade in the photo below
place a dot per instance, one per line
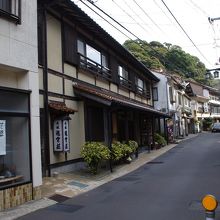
(173, 100)
(90, 84)
(20, 159)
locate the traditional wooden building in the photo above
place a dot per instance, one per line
(91, 88)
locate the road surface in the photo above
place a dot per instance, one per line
(168, 188)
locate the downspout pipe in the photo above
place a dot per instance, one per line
(45, 84)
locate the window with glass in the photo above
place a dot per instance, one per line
(200, 107)
(140, 85)
(5, 5)
(155, 94)
(171, 94)
(92, 58)
(179, 99)
(11, 9)
(186, 102)
(14, 138)
(123, 75)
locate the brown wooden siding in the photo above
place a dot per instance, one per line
(69, 44)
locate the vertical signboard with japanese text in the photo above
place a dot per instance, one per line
(61, 135)
(66, 145)
(58, 136)
(2, 137)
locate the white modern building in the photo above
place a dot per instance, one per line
(20, 156)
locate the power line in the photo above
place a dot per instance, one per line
(147, 15)
(106, 19)
(135, 13)
(140, 41)
(110, 18)
(199, 8)
(185, 32)
(130, 15)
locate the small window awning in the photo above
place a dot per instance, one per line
(60, 108)
(108, 98)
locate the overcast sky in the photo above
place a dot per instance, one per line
(150, 20)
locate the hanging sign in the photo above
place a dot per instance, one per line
(61, 136)
(58, 135)
(66, 145)
(2, 137)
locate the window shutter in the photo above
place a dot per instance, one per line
(114, 69)
(70, 46)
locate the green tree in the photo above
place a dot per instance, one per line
(155, 55)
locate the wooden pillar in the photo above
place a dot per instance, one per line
(165, 130)
(108, 130)
(126, 126)
(159, 125)
(153, 129)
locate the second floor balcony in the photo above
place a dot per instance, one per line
(93, 67)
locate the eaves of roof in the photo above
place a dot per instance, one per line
(68, 8)
(110, 97)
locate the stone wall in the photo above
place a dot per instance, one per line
(18, 195)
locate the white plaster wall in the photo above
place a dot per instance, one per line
(55, 84)
(68, 87)
(113, 87)
(76, 133)
(131, 95)
(19, 69)
(77, 129)
(86, 77)
(70, 70)
(206, 93)
(40, 74)
(18, 43)
(124, 92)
(162, 92)
(102, 84)
(54, 48)
(41, 101)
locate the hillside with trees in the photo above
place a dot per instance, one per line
(172, 58)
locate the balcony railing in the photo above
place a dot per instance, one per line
(124, 82)
(95, 68)
(140, 90)
(11, 10)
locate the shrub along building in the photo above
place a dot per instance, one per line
(91, 88)
(20, 160)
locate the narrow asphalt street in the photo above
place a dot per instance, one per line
(168, 188)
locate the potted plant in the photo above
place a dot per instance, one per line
(93, 153)
(134, 146)
(159, 140)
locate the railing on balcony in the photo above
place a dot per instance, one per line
(140, 90)
(11, 10)
(124, 82)
(90, 65)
